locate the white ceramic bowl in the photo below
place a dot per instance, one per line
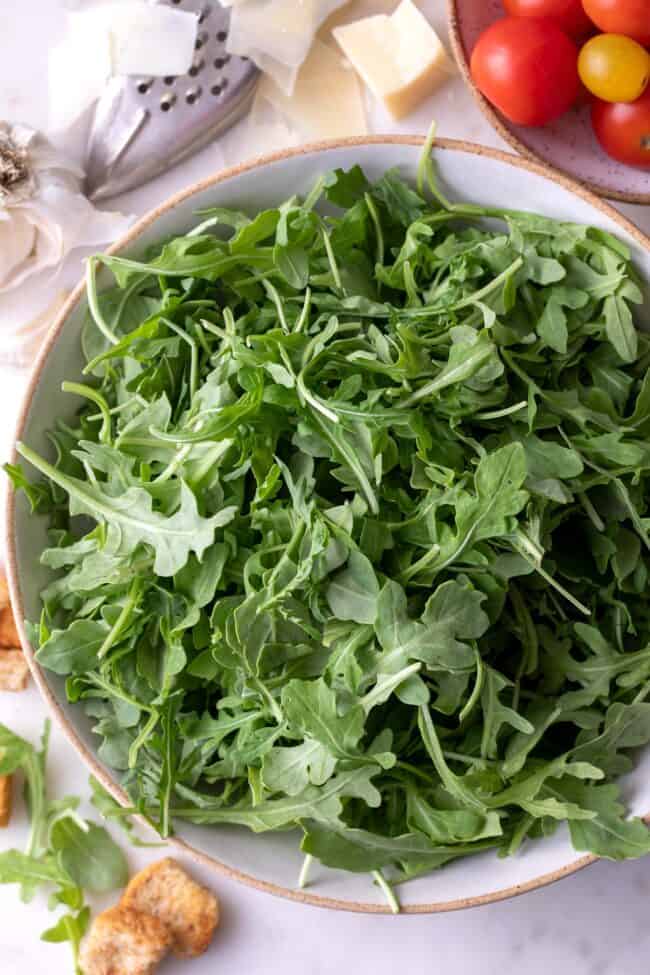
(269, 861)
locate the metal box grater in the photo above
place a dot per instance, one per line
(144, 126)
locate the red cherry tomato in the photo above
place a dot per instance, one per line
(628, 17)
(567, 14)
(527, 68)
(623, 129)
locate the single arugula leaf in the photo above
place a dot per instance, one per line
(172, 538)
(311, 709)
(75, 650)
(444, 826)
(608, 833)
(21, 868)
(69, 927)
(626, 726)
(291, 770)
(353, 592)
(89, 855)
(345, 187)
(620, 327)
(496, 714)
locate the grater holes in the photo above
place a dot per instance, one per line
(144, 85)
(167, 101)
(216, 89)
(169, 80)
(192, 95)
(222, 35)
(219, 63)
(205, 13)
(201, 39)
(196, 68)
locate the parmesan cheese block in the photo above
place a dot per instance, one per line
(326, 102)
(399, 56)
(277, 34)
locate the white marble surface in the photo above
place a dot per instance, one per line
(594, 923)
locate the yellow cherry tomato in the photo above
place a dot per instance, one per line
(614, 68)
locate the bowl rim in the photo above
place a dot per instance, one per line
(64, 723)
(498, 123)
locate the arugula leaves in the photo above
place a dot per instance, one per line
(368, 554)
(64, 852)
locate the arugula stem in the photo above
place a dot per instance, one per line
(378, 692)
(264, 692)
(491, 286)
(594, 517)
(379, 235)
(475, 696)
(142, 737)
(194, 354)
(116, 630)
(114, 691)
(303, 318)
(87, 392)
(304, 873)
(332, 260)
(389, 893)
(314, 194)
(93, 301)
(432, 744)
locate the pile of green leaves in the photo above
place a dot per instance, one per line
(350, 532)
(65, 853)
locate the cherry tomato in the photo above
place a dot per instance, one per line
(567, 14)
(628, 17)
(527, 68)
(614, 68)
(623, 129)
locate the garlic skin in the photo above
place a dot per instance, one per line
(43, 213)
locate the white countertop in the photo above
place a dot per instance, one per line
(593, 923)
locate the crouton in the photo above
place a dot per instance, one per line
(122, 941)
(8, 633)
(4, 592)
(13, 670)
(6, 793)
(191, 912)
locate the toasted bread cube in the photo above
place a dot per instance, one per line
(8, 633)
(190, 911)
(14, 670)
(6, 793)
(4, 592)
(122, 941)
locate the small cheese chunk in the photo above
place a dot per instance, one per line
(326, 102)
(151, 40)
(399, 57)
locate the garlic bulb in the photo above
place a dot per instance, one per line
(43, 213)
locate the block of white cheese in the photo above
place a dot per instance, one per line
(399, 56)
(326, 102)
(277, 34)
